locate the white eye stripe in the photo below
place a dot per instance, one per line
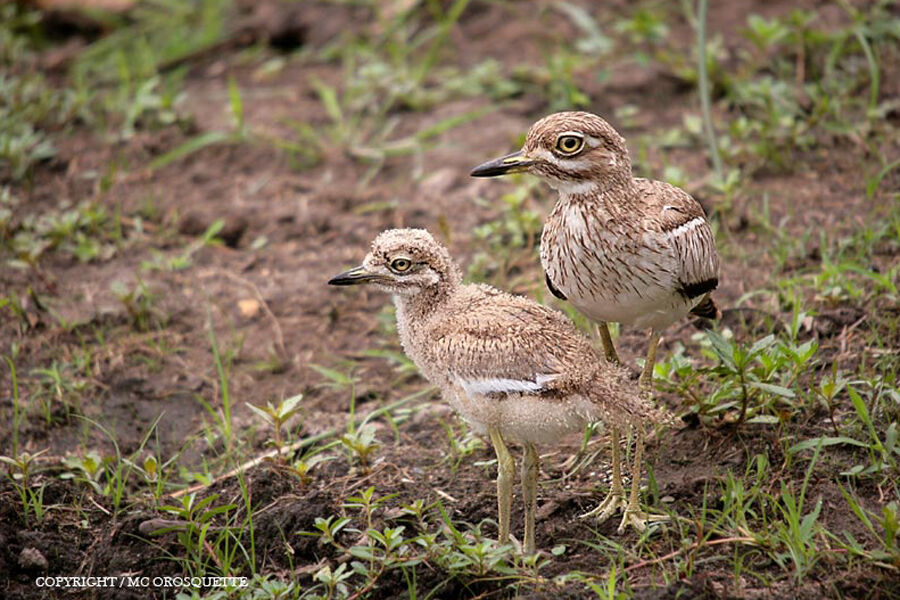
(569, 164)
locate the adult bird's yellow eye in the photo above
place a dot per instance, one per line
(400, 265)
(569, 144)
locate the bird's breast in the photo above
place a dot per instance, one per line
(606, 267)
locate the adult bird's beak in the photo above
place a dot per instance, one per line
(511, 163)
(354, 276)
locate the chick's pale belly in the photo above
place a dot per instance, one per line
(525, 418)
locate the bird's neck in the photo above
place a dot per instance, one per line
(414, 313)
(417, 307)
(615, 194)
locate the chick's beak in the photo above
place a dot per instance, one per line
(516, 162)
(354, 276)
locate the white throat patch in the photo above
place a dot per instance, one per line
(573, 188)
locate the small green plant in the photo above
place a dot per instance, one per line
(106, 476)
(799, 531)
(883, 529)
(88, 468)
(221, 416)
(185, 259)
(461, 445)
(205, 543)
(139, 302)
(21, 469)
(153, 470)
(276, 416)
(882, 449)
(757, 383)
(309, 461)
(334, 581)
(85, 231)
(360, 443)
(58, 390)
(368, 502)
(510, 241)
(17, 409)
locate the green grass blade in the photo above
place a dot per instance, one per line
(189, 147)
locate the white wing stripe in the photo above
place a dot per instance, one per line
(686, 227)
(499, 385)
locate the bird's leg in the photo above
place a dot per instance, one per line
(609, 350)
(530, 468)
(634, 516)
(505, 469)
(616, 497)
(646, 380)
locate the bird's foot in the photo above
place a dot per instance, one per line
(610, 505)
(638, 519)
(512, 541)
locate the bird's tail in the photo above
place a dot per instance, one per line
(622, 403)
(707, 308)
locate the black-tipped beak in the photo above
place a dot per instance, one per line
(511, 163)
(353, 277)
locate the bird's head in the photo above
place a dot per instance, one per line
(575, 152)
(404, 262)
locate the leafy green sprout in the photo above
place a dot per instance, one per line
(184, 260)
(56, 385)
(763, 372)
(361, 442)
(277, 416)
(139, 302)
(883, 529)
(461, 446)
(21, 469)
(799, 531)
(196, 523)
(87, 468)
(310, 460)
(882, 449)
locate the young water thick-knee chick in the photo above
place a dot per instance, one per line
(512, 368)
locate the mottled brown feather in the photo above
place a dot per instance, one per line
(619, 248)
(460, 334)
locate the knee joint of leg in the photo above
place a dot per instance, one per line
(506, 466)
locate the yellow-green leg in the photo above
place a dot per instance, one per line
(609, 350)
(505, 470)
(634, 516)
(616, 497)
(530, 469)
(646, 380)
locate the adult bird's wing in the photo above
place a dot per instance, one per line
(683, 225)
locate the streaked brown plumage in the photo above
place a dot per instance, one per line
(619, 248)
(513, 368)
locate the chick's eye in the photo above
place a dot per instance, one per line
(400, 264)
(569, 144)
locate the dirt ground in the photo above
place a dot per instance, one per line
(287, 230)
